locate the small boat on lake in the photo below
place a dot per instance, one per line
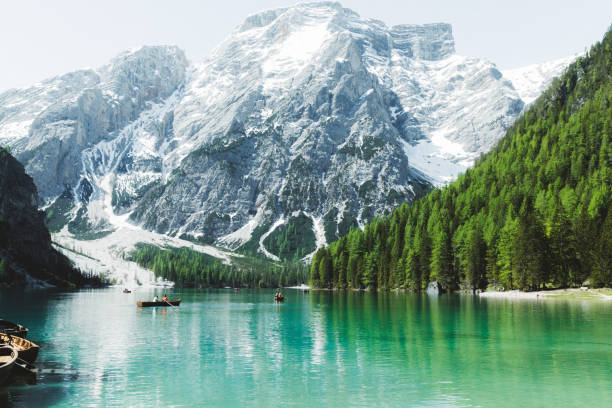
(8, 356)
(13, 329)
(279, 298)
(175, 302)
(126, 290)
(26, 350)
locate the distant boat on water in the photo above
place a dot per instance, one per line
(175, 302)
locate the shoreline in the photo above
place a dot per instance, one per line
(604, 294)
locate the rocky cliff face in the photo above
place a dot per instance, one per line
(49, 125)
(25, 242)
(309, 111)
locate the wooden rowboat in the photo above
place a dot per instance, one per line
(8, 356)
(13, 329)
(174, 302)
(279, 298)
(27, 350)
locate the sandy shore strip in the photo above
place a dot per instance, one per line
(578, 293)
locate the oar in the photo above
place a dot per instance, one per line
(170, 304)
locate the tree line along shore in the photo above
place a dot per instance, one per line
(533, 213)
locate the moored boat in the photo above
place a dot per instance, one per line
(8, 356)
(27, 350)
(13, 329)
(174, 302)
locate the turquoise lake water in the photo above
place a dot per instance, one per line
(222, 348)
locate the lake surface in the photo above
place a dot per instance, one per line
(222, 348)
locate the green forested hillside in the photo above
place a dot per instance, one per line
(535, 211)
(190, 268)
(294, 240)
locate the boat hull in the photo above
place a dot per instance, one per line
(8, 356)
(161, 304)
(27, 350)
(13, 329)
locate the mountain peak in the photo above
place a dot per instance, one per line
(530, 81)
(321, 9)
(309, 116)
(425, 41)
(431, 42)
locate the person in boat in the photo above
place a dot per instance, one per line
(155, 299)
(165, 298)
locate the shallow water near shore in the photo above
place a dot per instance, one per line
(240, 349)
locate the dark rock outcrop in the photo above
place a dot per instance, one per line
(25, 243)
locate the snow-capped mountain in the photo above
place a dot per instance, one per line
(306, 115)
(532, 80)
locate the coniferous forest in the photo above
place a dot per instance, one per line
(189, 268)
(534, 212)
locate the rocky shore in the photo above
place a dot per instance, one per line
(573, 293)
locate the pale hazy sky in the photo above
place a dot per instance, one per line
(39, 39)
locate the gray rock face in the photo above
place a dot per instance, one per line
(305, 109)
(431, 42)
(78, 110)
(328, 142)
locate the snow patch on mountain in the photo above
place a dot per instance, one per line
(243, 234)
(108, 255)
(530, 81)
(427, 157)
(291, 55)
(319, 231)
(262, 247)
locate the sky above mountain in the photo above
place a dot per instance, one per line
(41, 39)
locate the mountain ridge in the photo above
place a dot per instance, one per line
(534, 213)
(362, 118)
